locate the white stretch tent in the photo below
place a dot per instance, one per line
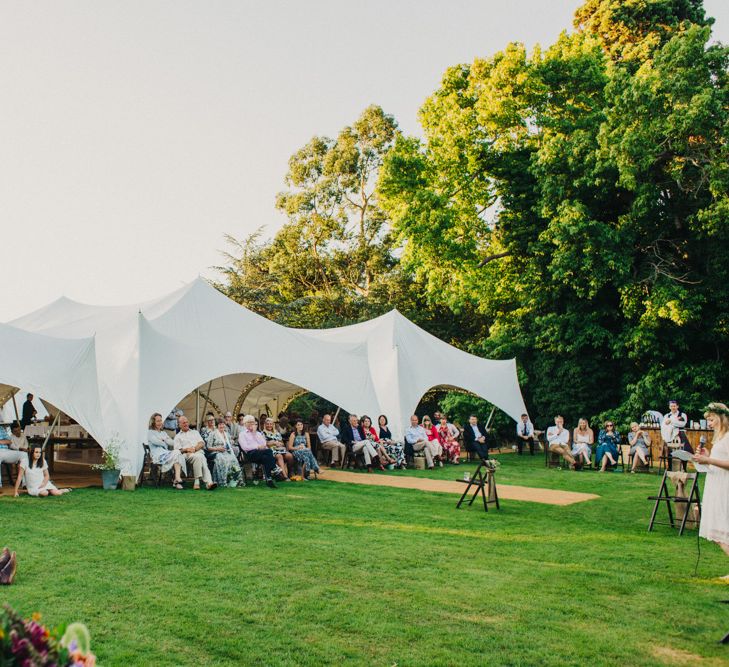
(139, 359)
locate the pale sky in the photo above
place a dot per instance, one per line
(134, 134)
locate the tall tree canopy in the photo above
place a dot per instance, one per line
(579, 199)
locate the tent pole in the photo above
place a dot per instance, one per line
(488, 421)
(197, 408)
(50, 431)
(15, 407)
(207, 396)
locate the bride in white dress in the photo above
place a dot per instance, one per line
(715, 505)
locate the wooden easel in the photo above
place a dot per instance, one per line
(664, 496)
(482, 477)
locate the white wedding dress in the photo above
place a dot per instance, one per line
(715, 505)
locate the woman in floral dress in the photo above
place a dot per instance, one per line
(448, 437)
(226, 468)
(300, 447)
(395, 450)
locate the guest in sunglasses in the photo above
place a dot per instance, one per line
(608, 442)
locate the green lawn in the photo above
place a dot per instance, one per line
(324, 573)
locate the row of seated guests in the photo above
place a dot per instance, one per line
(215, 452)
(577, 450)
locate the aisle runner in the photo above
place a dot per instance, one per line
(526, 493)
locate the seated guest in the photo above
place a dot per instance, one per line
(35, 473)
(300, 447)
(368, 431)
(395, 450)
(226, 468)
(328, 435)
(525, 434)
(233, 429)
(9, 455)
(18, 441)
(608, 441)
(253, 444)
(448, 435)
(283, 424)
(582, 440)
(436, 449)
(355, 441)
(190, 443)
(640, 443)
(162, 450)
(284, 458)
(208, 426)
(474, 438)
(416, 439)
(558, 439)
(171, 420)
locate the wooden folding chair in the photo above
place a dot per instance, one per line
(664, 496)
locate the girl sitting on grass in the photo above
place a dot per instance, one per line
(37, 482)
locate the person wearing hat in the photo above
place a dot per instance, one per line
(254, 445)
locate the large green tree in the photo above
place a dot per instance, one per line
(579, 196)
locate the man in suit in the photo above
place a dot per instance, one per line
(475, 438)
(525, 434)
(353, 439)
(28, 412)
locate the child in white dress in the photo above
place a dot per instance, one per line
(37, 481)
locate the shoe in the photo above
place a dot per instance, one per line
(4, 558)
(211, 487)
(440, 464)
(7, 574)
(196, 486)
(271, 483)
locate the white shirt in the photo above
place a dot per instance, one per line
(18, 443)
(677, 422)
(327, 433)
(190, 439)
(34, 477)
(416, 434)
(554, 438)
(476, 431)
(520, 428)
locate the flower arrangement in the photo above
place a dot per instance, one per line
(492, 464)
(110, 454)
(27, 643)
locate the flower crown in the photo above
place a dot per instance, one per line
(717, 409)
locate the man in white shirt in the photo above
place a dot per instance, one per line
(8, 454)
(673, 424)
(328, 435)
(524, 434)
(190, 443)
(417, 438)
(558, 439)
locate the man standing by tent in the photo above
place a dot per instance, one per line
(28, 413)
(190, 443)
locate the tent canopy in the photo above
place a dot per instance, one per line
(111, 367)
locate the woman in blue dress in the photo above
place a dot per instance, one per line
(608, 441)
(300, 447)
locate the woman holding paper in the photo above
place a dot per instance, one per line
(715, 507)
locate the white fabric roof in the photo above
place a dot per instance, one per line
(110, 367)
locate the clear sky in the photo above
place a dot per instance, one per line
(134, 134)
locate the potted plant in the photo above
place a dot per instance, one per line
(109, 465)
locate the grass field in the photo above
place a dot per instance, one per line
(324, 573)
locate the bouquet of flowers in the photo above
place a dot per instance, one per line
(27, 643)
(492, 464)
